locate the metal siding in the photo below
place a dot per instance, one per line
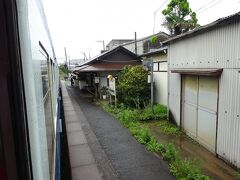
(214, 49)
(228, 144)
(174, 96)
(218, 48)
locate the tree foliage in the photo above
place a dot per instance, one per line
(63, 71)
(133, 89)
(179, 17)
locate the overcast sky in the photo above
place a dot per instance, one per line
(79, 24)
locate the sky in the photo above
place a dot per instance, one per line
(79, 24)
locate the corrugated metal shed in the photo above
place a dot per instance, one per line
(214, 46)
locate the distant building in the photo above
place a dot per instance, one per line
(109, 62)
(145, 45)
(75, 62)
(116, 42)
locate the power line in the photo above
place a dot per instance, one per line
(204, 6)
(161, 6)
(210, 6)
(154, 14)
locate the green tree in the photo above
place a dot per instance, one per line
(179, 17)
(133, 89)
(63, 71)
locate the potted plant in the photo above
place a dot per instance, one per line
(104, 91)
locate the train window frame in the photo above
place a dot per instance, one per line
(49, 94)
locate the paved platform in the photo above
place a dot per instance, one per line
(83, 163)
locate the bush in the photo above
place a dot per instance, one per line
(133, 89)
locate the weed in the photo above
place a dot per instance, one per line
(187, 169)
(170, 129)
(171, 154)
(142, 135)
(238, 175)
(154, 146)
(157, 113)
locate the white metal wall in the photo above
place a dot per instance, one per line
(218, 48)
(174, 89)
(228, 143)
(214, 49)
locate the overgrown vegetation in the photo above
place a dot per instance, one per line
(169, 129)
(187, 169)
(132, 87)
(134, 119)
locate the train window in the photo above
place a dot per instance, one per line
(46, 73)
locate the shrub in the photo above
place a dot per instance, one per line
(132, 87)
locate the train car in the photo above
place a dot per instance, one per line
(29, 94)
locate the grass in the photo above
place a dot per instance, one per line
(238, 175)
(134, 120)
(168, 128)
(187, 169)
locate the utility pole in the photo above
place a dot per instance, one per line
(152, 85)
(65, 50)
(135, 37)
(68, 62)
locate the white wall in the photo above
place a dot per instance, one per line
(218, 48)
(160, 79)
(160, 90)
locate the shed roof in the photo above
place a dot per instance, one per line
(220, 22)
(107, 62)
(102, 67)
(109, 52)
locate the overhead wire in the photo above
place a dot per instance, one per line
(210, 7)
(204, 6)
(154, 14)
